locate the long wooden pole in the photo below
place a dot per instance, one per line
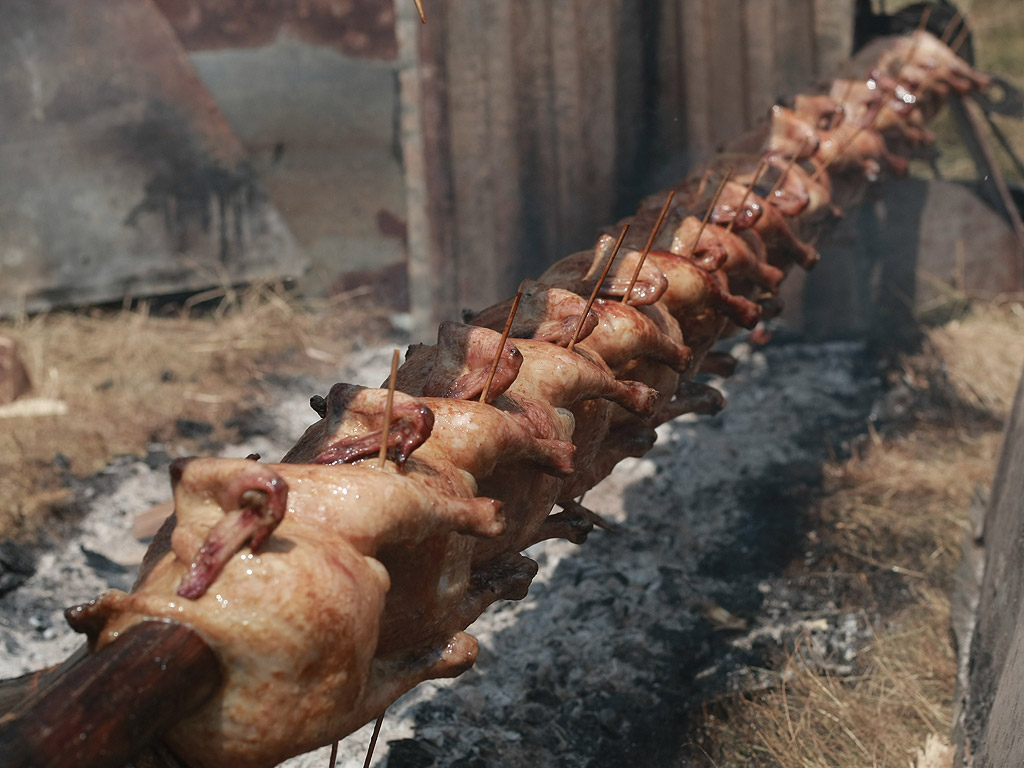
(104, 710)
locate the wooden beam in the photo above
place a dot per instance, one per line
(103, 710)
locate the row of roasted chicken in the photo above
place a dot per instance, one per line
(332, 582)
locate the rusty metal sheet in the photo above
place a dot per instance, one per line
(363, 28)
(118, 174)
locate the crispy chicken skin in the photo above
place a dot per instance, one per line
(331, 582)
(295, 625)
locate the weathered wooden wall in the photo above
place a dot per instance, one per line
(990, 702)
(527, 124)
(723, 63)
(522, 119)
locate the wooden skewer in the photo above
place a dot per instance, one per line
(419, 7)
(711, 208)
(647, 248)
(840, 112)
(333, 761)
(921, 25)
(785, 171)
(373, 740)
(750, 188)
(597, 287)
(926, 16)
(947, 33)
(501, 344)
(387, 410)
(955, 47)
(703, 183)
(962, 37)
(842, 145)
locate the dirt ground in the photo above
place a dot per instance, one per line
(777, 594)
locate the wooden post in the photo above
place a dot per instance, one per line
(105, 709)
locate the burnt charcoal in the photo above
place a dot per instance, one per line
(192, 429)
(255, 422)
(157, 457)
(101, 563)
(114, 574)
(411, 753)
(17, 564)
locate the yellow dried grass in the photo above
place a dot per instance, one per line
(127, 376)
(898, 509)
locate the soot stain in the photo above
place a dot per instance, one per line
(188, 188)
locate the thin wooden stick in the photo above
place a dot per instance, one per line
(419, 7)
(750, 188)
(955, 47)
(947, 33)
(597, 287)
(785, 171)
(962, 37)
(926, 16)
(373, 740)
(711, 208)
(650, 242)
(914, 41)
(703, 183)
(387, 410)
(842, 145)
(333, 761)
(839, 114)
(922, 25)
(501, 344)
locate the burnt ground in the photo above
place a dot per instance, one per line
(621, 642)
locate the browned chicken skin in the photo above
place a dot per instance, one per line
(329, 584)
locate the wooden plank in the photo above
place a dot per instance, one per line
(761, 75)
(426, 157)
(502, 115)
(467, 64)
(989, 730)
(597, 40)
(727, 76)
(631, 106)
(568, 114)
(670, 131)
(696, 61)
(833, 32)
(534, 97)
(795, 43)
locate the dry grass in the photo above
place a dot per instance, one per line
(127, 376)
(898, 511)
(894, 516)
(982, 352)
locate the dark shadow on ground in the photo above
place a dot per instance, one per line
(607, 662)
